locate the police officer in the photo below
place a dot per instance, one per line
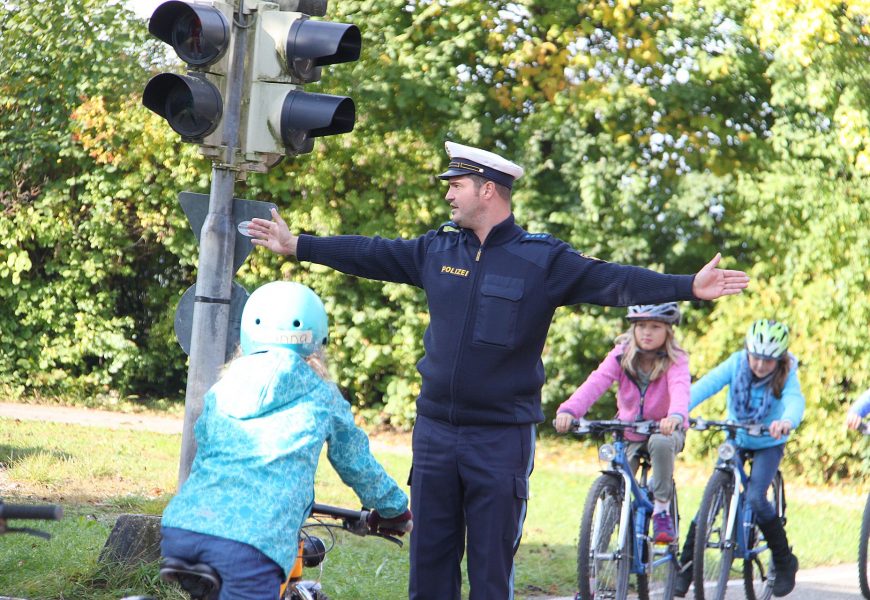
(492, 289)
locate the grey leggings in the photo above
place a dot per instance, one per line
(663, 450)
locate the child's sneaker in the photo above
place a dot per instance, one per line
(663, 528)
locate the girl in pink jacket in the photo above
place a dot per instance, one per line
(652, 372)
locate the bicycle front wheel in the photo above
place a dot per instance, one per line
(862, 551)
(713, 552)
(602, 565)
(757, 582)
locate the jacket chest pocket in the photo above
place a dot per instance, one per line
(498, 310)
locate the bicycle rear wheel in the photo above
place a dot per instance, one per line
(713, 552)
(602, 566)
(862, 551)
(757, 580)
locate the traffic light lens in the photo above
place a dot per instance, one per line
(198, 34)
(191, 105)
(190, 43)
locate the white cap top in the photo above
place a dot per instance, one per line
(466, 160)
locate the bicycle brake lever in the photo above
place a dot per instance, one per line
(360, 528)
(390, 538)
(642, 428)
(29, 531)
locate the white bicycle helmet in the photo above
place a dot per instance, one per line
(767, 339)
(669, 312)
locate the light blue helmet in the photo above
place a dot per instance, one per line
(284, 314)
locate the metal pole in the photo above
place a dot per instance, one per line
(211, 309)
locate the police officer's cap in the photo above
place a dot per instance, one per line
(465, 160)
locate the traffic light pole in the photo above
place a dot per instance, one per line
(214, 276)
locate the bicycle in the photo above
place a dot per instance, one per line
(201, 582)
(42, 512)
(725, 524)
(615, 540)
(865, 534)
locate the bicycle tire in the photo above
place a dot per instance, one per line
(659, 583)
(602, 567)
(757, 583)
(713, 555)
(304, 594)
(862, 551)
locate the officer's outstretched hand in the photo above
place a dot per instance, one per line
(711, 283)
(273, 235)
(399, 525)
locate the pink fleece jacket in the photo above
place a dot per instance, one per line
(668, 395)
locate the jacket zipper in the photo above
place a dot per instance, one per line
(457, 361)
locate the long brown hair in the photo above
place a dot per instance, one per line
(663, 360)
(780, 374)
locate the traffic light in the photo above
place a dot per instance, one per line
(200, 34)
(286, 51)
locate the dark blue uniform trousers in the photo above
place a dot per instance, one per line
(474, 480)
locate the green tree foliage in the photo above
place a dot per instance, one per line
(654, 133)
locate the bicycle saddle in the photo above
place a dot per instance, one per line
(199, 580)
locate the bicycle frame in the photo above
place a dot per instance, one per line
(738, 537)
(639, 510)
(739, 508)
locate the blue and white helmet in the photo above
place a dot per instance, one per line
(284, 314)
(669, 312)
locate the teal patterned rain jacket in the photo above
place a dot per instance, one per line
(259, 439)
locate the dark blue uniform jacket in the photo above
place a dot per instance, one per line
(490, 308)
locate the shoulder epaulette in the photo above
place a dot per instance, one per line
(578, 253)
(448, 227)
(536, 237)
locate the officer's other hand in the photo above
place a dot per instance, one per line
(853, 420)
(711, 283)
(668, 425)
(563, 422)
(399, 525)
(778, 429)
(273, 235)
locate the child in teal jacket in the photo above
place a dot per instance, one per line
(763, 387)
(259, 438)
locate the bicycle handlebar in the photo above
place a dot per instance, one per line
(353, 521)
(46, 512)
(582, 426)
(753, 429)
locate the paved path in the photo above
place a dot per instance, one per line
(823, 583)
(91, 417)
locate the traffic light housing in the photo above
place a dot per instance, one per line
(288, 50)
(201, 35)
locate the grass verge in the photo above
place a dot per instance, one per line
(98, 473)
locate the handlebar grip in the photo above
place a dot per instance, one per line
(337, 512)
(45, 512)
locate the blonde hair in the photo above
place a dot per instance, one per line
(318, 363)
(664, 358)
(316, 360)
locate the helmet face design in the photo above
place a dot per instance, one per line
(283, 314)
(767, 339)
(669, 312)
